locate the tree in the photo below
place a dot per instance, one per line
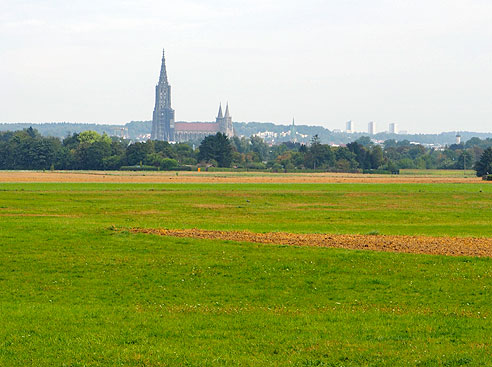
(364, 141)
(313, 158)
(465, 160)
(240, 144)
(477, 142)
(185, 153)
(345, 159)
(319, 155)
(166, 149)
(32, 133)
(90, 137)
(361, 154)
(95, 153)
(484, 165)
(113, 162)
(390, 143)
(135, 153)
(258, 146)
(92, 148)
(42, 153)
(169, 164)
(218, 148)
(376, 157)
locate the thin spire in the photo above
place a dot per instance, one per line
(227, 110)
(293, 132)
(220, 112)
(163, 76)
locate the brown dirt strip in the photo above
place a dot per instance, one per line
(219, 177)
(450, 246)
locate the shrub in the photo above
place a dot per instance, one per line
(256, 165)
(484, 165)
(380, 171)
(138, 168)
(168, 164)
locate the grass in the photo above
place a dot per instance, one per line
(439, 172)
(416, 209)
(73, 292)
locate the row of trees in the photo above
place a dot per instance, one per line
(361, 154)
(27, 149)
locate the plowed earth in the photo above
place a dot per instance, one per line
(220, 177)
(458, 246)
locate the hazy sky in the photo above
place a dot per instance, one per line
(425, 64)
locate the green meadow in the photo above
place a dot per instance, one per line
(76, 292)
(439, 172)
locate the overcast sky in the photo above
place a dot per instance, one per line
(424, 64)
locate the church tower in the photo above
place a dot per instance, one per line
(225, 122)
(293, 132)
(163, 117)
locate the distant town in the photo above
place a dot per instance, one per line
(271, 133)
(163, 127)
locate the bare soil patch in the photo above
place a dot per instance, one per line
(451, 246)
(219, 177)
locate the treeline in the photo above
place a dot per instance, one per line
(89, 150)
(362, 154)
(137, 129)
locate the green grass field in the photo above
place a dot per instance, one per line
(439, 172)
(73, 292)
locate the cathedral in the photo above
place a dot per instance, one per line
(165, 128)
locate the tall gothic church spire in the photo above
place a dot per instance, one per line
(163, 75)
(220, 115)
(225, 122)
(163, 117)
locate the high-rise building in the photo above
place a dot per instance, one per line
(393, 128)
(458, 139)
(371, 128)
(163, 116)
(349, 127)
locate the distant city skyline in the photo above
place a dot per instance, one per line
(424, 64)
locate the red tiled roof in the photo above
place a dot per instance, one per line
(196, 126)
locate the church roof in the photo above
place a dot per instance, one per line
(196, 126)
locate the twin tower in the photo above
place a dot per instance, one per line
(166, 129)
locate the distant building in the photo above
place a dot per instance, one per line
(458, 139)
(163, 125)
(293, 132)
(121, 132)
(163, 116)
(196, 131)
(393, 128)
(371, 128)
(349, 127)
